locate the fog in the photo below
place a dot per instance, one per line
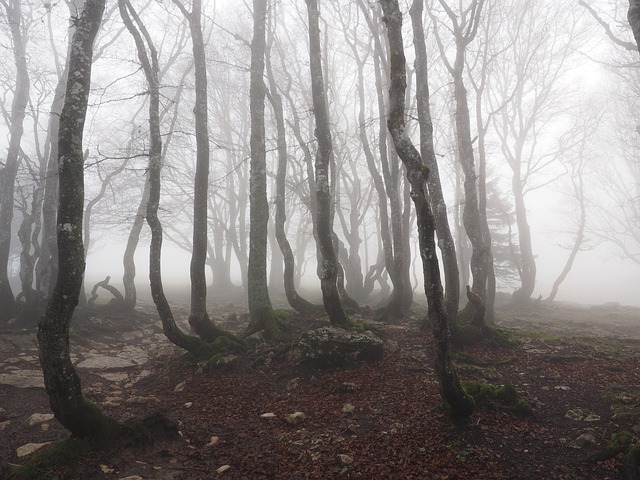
(563, 111)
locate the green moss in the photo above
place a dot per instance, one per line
(620, 442)
(505, 397)
(58, 461)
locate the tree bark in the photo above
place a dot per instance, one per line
(427, 151)
(10, 170)
(462, 405)
(262, 315)
(62, 383)
(328, 272)
(295, 300)
(633, 16)
(149, 62)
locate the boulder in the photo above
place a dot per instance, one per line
(329, 347)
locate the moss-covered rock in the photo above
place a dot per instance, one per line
(329, 347)
(504, 397)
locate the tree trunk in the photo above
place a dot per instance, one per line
(262, 315)
(328, 272)
(427, 151)
(62, 383)
(10, 170)
(633, 16)
(128, 259)
(462, 405)
(149, 62)
(527, 260)
(295, 300)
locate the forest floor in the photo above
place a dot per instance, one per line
(577, 366)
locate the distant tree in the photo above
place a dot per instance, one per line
(464, 27)
(13, 11)
(275, 98)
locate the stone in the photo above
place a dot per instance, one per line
(23, 379)
(214, 441)
(223, 468)
(348, 408)
(345, 460)
(4, 424)
(584, 440)
(575, 414)
(329, 347)
(140, 400)
(104, 362)
(38, 418)
(268, 415)
(295, 418)
(131, 477)
(293, 384)
(179, 387)
(29, 448)
(188, 405)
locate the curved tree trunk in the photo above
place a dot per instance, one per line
(328, 271)
(462, 405)
(149, 62)
(427, 151)
(128, 259)
(295, 300)
(61, 381)
(10, 170)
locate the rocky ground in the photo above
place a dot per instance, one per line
(267, 417)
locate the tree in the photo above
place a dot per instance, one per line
(462, 405)
(464, 28)
(427, 151)
(13, 10)
(328, 272)
(634, 20)
(148, 57)
(294, 299)
(62, 383)
(262, 315)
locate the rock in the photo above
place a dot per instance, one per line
(562, 387)
(188, 405)
(179, 387)
(575, 414)
(4, 424)
(345, 460)
(23, 379)
(223, 468)
(347, 387)
(584, 440)
(131, 477)
(293, 384)
(104, 362)
(295, 418)
(592, 417)
(38, 418)
(268, 415)
(140, 400)
(106, 469)
(214, 441)
(328, 347)
(29, 448)
(348, 408)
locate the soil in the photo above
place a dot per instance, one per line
(577, 366)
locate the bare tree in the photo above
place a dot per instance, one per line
(464, 27)
(634, 19)
(462, 404)
(13, 10)
(262, 315)
(328, 272)
(62, 383)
